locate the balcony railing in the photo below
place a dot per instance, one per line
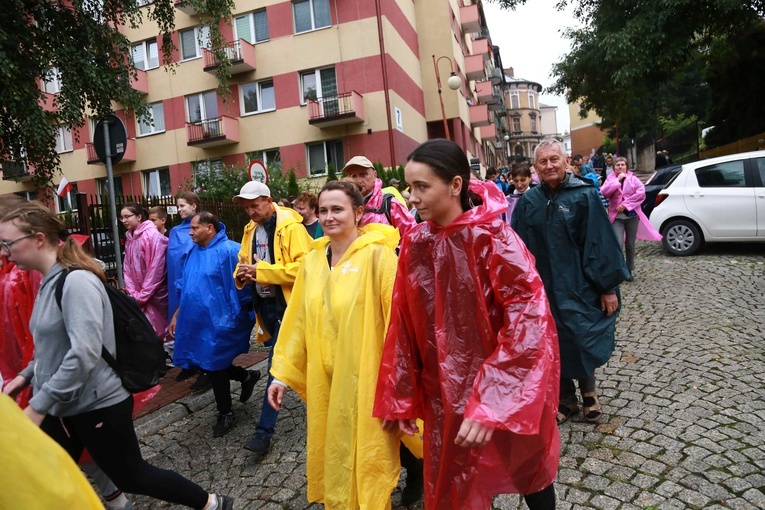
(15, 170)
(345, 108)
(240, 53)
(127, 157)
(479, 115)
(474, 67)
(211, 132)
(470, 20)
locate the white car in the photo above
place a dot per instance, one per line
(713, 200)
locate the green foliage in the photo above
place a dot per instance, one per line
(293, 189)
(331, 173)
(219, 184)
(94, 61)
(281, 185)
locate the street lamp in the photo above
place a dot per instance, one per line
(453, 82)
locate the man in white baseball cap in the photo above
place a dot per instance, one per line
(273, 245)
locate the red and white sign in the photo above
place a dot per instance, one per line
(258, 172)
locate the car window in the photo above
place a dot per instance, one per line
(665, 176)
(722, 175)
(761, 167)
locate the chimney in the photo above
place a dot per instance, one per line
(509, 71)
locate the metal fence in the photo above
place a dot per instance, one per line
(93, 218)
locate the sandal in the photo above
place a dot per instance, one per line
(591, 406)
(565, 412)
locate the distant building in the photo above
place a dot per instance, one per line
(586, 135)
(524, 116)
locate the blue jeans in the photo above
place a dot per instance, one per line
(272, 314)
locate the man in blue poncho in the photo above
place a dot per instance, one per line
(212, 323)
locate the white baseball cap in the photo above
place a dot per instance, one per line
(251, 191)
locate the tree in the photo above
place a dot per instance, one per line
(293, 189)
(79, 44)
(331, 173)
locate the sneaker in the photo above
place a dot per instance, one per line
(258, 443)
(202, 383)
(186, 373)
(224, 424)
(248, 385)
(224, 502)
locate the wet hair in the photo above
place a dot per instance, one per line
(351, 189)
(621, 158)
(191, 198)
(159, 211)
(447, 160)
(310, 199)
(208, 218)
(550, 142)
(137, 209)
(34, 218)
(491, 172)
(520, 170)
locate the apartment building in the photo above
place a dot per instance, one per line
(314, 82)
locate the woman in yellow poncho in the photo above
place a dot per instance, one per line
(329, 352)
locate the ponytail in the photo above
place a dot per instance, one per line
(71, 255)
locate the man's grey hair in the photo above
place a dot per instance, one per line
(550, 142)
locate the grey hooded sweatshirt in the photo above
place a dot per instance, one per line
(68, 375)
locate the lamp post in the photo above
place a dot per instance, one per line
(453, 82)
(506, 138)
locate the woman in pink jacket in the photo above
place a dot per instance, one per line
(625, 193)
(144, 265)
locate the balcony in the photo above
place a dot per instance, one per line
(15, 170)
(489, 132)
(212, 132)
(185, 7)
(140, 82)
(474, 67)
(328, 111)
(240, 53)
(484, 92)
(482, 47)
(48, 102)
(127, 157)
(470, 19)
(479, 115)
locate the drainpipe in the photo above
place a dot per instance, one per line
(385, 83)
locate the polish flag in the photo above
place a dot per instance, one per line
(64, 187)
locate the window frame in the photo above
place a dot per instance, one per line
(251, 20)
(313, 17)
(317, 75)
(515, 100)
(258, 98)
(532, 100)
(327, 148)
(146, 52)
(147, 175)
(62, 138)
(267, 157)
(720, 167)
(52, 77)
(203, 107)
(201, 41)
(153, 124)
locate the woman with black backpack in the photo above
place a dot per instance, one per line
(77, 398)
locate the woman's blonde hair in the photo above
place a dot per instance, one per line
(33, 218)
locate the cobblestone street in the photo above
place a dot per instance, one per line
(683, 397)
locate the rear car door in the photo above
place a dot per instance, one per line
(722, 198)
(759, 193)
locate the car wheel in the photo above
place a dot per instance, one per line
(682, 237)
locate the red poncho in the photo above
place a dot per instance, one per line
(471, 335)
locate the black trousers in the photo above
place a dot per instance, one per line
(542, 500)
(221, 385)
(110, 438)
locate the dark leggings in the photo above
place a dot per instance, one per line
(542, 500)
(109, 436)
(221, 386)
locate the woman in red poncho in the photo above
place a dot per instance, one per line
(472, 347)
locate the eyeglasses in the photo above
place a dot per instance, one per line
(6, 245)
(124, 218)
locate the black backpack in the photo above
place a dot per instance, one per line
(140, 361)
(384, 207)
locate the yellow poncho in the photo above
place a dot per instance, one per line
(35, 472)
(329, 352)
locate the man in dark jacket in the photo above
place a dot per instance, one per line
(565, 226)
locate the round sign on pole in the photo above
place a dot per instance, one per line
(258, 172)
(117, 139)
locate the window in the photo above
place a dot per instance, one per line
(761, 168)
(515, 100)
(193, 40)
(27, 195)
(63, 139)
(67, 202)
(310, 15)
(157, 182)
(516, 123)
(270, 157)
(252, 27)
(257, 97)
(317, 84)
(52, 81)
(145, 55)
(532, 102)
(533, 118)
(209, 166)
(154, 121)
(103, 186)
(722, 175)
(322, 154)
(202, 106)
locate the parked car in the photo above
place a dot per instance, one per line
(713, 200)
(656, 183)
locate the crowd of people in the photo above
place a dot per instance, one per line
(448, 342)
